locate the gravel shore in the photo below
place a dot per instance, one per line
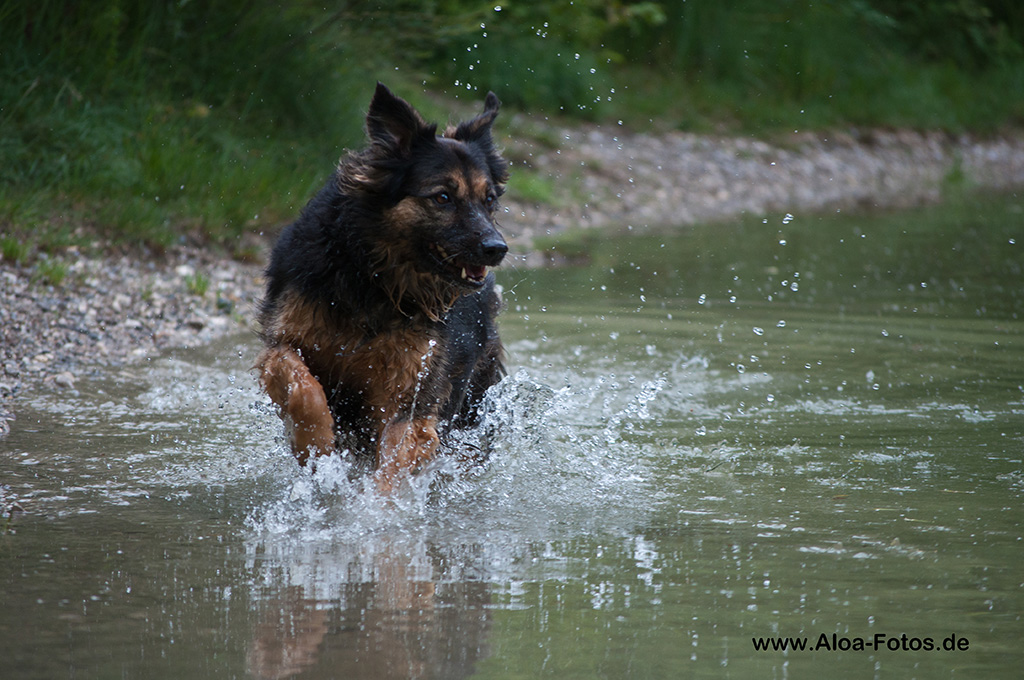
(111, 310)
(609, 178)
(118, 308)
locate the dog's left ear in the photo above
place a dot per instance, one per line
(479, 129)
(394, 124)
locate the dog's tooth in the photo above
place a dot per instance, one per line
(463, 272)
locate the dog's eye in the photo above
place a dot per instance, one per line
(490, 200)
(443, 198)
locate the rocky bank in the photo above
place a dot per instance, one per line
(118, 308)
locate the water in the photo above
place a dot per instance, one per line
(797, 428)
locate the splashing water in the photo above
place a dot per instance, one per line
(649, 474)
(541, 478)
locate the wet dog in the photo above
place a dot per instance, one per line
(379, 313)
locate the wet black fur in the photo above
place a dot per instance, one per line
(329, 256)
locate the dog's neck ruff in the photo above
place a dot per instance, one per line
(413, 293)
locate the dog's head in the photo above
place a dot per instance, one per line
(437, 194)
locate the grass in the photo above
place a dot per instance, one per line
(14, 249)
(531, 187)
(50, 271)
(197, 284)
(153, 124)
(766, 67)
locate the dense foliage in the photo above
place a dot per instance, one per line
(155, 118)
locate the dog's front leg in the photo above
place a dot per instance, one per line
(289, 384)
(405, 445)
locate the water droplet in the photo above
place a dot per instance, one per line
(758, 330)
(702, 299)
(787, 218)
(701, 431)
(781, 323)
(770, 398)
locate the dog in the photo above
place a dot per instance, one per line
(378, 319)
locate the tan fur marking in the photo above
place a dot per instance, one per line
(481, 186)
(392, 360)
(289, 384)
(386, 370)
(405, 447)
(302, 325)
(407, 211)
(461, 185)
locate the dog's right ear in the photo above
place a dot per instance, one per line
(394, 124)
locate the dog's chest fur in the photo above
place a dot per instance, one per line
(386, 372)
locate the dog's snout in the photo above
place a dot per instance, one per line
(493, 249)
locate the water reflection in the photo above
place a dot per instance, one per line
(696, 447)
(390, 614)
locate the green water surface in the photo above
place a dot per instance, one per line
(784, 427)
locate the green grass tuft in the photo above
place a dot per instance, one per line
(197, 284)
(14, 249)
(51, 271)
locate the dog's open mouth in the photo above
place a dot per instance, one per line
(465, 272)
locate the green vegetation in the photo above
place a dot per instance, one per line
(50, 271)
(14, 249)
(197, 284)
(157, 122)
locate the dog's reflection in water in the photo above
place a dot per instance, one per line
(398, 623)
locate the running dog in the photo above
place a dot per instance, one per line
(379, 313)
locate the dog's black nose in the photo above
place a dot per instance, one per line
(493, 250)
